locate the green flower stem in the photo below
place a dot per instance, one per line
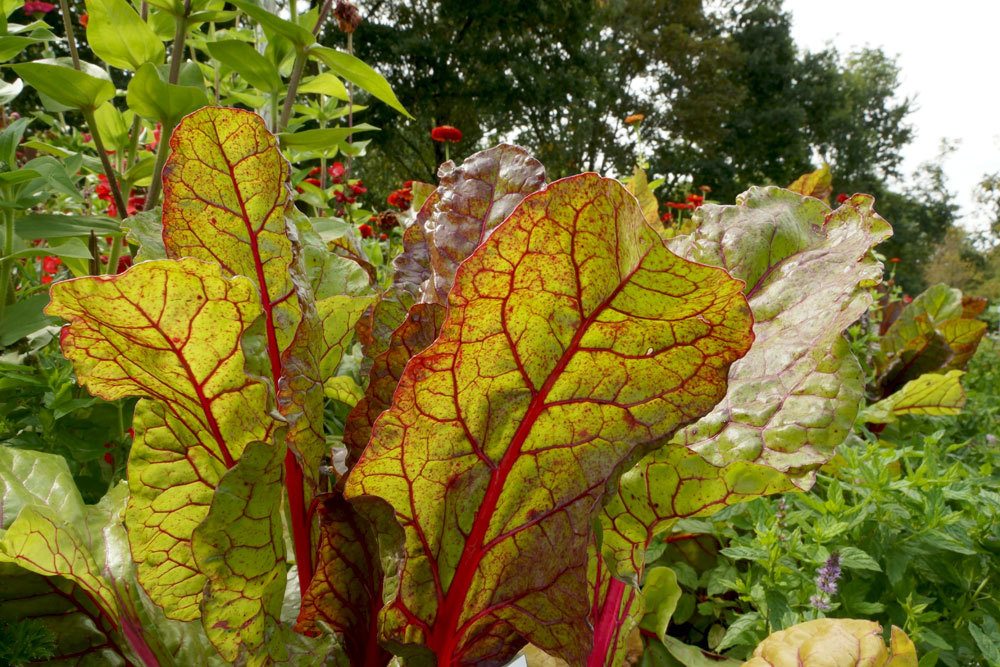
(162, 150)
(293, 87)
(70, 37)
(8, 250)
(177, 50)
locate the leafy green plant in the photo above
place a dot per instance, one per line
(537, 342)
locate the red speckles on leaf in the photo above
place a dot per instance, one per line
(480, 454)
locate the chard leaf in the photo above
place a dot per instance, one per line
(346, 593)
(929, 394)
(240, 549)
(834, 642)
(794, 397)
(933, 333)
(169, 332)
(573, 339)
(616, 611)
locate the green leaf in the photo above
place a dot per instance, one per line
(10, 91)
(24, 318)
(87, 89)
(55, 226)
(169, 332)
(248, 63)
(660, 593)
(71, 248)
(691, 656)
(325, 84)
(989, 646)
(112, 126)
(11, 45)
(119, 36)
(357, 72)
(36, 479)
(145, 230)
(856, 559)
(154, 99)
(273, 25)
(323, 138)
(569, 345)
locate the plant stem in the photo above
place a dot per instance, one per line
(162, 149)
(293, 86)
(323, 13)
(177, 50)
(350, 112)
(70, 37)
(88, 115)
(8, 250)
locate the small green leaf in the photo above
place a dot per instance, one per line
(112, 126)
(145, 230)
(154, 99)
(661, 593)
(325, 84)
(248, 63)
(987, 645)
(86, 89)
(9, 91)
(72, 248)
(54, 226)
(11, 45)
(357, 72)
(274, 25)
(323, 138)
(24, 318)
(117, 34)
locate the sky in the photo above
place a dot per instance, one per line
(949, 54)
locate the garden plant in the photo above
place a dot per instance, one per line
(248, 420)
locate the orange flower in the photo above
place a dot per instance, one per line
(635, 118)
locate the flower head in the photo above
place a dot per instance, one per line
(336, 171)
(446, 133)
(635, 118)
(841, 198)
(84, 19)
(366, 231)
(895, 260)
(695, 200)
(400, 199)
(37, 7)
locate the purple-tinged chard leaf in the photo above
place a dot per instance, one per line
(573, 339)
(930, 334)
(929, 394)
(240, 549)
(345, 595)
(794, 397)
(818, 184)
(169, 332)
(449, 225)
(616, 610)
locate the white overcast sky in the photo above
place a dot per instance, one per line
(949, 53)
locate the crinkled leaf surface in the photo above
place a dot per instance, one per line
(573, 338)
(929, 394)
(834, 642)
(169, 331)
(794, 397)
(450, 224)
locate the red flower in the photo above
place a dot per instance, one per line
(895, 260)
(151, 146)
(110, 460)
(679, 205)
(667, 217)
(103, 190)
(50, 265)
(37, 7)
(446, 133)
(135, 204)
(84, 19)
(314, 171)
(407, 185)
(695, 200)
(400, 199)
(124, 262)
(336, 171)
(313, 181)
(383, 237)
(358, 189)
(841, 198)
(907, 299)
(366, 231)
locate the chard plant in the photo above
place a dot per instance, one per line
(551, 386)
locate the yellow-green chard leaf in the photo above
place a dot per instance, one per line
(574, 339)
(834, 642)
(929, 394)
(794, 397)
(170, 332)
